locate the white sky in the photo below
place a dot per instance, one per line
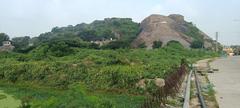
(32, 17)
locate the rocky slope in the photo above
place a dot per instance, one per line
(127, 33)
(169, 28)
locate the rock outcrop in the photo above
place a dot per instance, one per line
(6, 48)
(157, 81)
(165, 29)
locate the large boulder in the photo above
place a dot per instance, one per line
(161, 28)
(157, 81)
(166, 29)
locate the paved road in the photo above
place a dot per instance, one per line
(227, 81)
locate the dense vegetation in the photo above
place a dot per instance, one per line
(64, 68)
(193, 32)
(21, 43)
(107, 74)
(124, 30)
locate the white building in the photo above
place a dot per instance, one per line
(7, 43)
(6, 46)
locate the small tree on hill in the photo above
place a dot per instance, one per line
(175, 44)
(157, 44)
(197, 44)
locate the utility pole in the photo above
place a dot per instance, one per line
(217, 41)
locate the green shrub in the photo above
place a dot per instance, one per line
(197, 44)
(157, 44)
(108, 71)
(175, 44)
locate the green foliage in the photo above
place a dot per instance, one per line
(62, 67)
(93, 35)
(123, 29)
(76, 96)
(116, 45)
(108, 71)
(3, 37)
(197, 44)
(194, 32)
(2, 96)
(157, 44)
(99, 69)
(59, 49)
(175, 44)
(21, 44)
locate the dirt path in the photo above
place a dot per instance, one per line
(7, 101)
(227, 81)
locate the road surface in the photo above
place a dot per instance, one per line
(227, 81)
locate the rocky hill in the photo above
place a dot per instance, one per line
(117, 33)
(170, 28)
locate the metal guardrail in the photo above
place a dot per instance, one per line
(187, 91)
(199, 91)
(173, 82)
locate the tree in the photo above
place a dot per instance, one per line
(116, 45)
(55, 29)
(21, 43)
(88, 35)
(3, 37)
(59, 48)
(157, 44)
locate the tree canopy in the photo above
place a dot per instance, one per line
(3, 37)
(21, 43)
(157, 44)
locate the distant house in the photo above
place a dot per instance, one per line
(6, 43)
(7, 46)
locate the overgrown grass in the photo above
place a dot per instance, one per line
(210, 93)
(100, 69)
(90, 78)
(2, 96)
(76, 96)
